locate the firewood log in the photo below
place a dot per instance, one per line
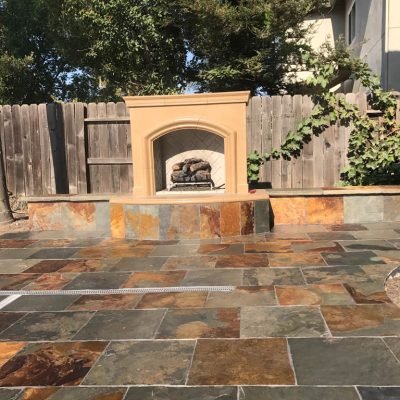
(204, 165)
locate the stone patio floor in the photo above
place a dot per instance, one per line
(309, 318)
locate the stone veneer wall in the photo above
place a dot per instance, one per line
(347, 209)
(189, 221)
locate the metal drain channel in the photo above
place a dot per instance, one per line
(83, 292)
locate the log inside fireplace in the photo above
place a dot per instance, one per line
(192, 173)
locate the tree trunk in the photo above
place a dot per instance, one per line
(5, 209)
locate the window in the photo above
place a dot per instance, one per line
(351, 27)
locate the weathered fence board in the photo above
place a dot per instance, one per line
(86, 148)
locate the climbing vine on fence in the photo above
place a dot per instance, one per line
(374, 145)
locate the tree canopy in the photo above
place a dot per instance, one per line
(101, 49)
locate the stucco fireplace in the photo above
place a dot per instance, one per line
(166, 132)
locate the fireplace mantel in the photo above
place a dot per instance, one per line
(223, 114)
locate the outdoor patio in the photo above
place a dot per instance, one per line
(308, 318)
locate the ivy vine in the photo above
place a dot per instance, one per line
(374, 145)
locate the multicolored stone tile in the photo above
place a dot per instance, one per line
(358, 245)
(190, 262)
(98, 280)
(16, 243)
(377, 234)
(79, 216)
(105, 302)
(289, 210)
(347, 361)
(122, 251)
(317, 246)
(247, 219)
(155, 279)
(117, 220)
(389, 256)
(242, 261)
(51, 281)
(175, 250)
(262, 322)
(8, 350)
(9, 394)
(140, 264)
(182, 393)
(175, 224)
(352, 258)
(379, 393)
(46, 266)
(40, 303)
(88, 265)
(230, 219)
(72, 393)
(213, 277)
(220, 248)
(173, 300)
(13, 254)
(273, 276)
(54, 253)
(313, 295)
(242, 296)
(324, 210)
(210, 221)
(338, 275)
(200, 323)
(51, 364)
(142, 222)
(368, 292)
(394, 345)
(15, 266)
(121, 324)
(335, 235)
(143, 363)
(16, 281)
(295, 259)
(280, 246)
(297, 393)
(46, 216)
(346, 228)
(9, 318)
(46, 326)
(241, 362)
(363, 320)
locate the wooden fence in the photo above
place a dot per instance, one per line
(81, 148)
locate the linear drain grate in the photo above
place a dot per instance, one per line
(117, 291)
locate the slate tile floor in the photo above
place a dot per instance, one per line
(308, 318)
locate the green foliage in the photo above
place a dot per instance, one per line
(245, 44)
(374, 146)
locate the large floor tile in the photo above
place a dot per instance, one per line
(139, 264)
(8, 350)
(46, 266)
(54, 253)
(378, 234)
(51, 364)
(273, 276)
(88, 265)
(16, 281)
(200, 323)
(9, 318)
(363, 320)
(394, 345)
(105, 302)
(349, 361)
(313, 295)
(220, 248)
(190, 262)
(74, 393)
(334, 235)
(40, 303)
(372, 292)
(51, 281)
(155, 279)
(259, 322)
(46, 326)
(352, 258)
(15, 266)
(213, 277)
(336, 275)
(243, 296)
(175, 250)
(9, 254)
(379, 393)
(359, 245)
(98, 280)
(182, 393)
(143, 363)
(121, 324)
(173, 300)
(279, 246)
(242, 261)
(295, 259)
(241, 362)
(317, 246)
(297, 393)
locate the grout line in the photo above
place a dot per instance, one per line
(85, 324)
(291, 361)
(394, 355)
(159, 325)
(8, 300)
(191, 363)
(358, 392)
(328, 331)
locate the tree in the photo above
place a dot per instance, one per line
(246, 44)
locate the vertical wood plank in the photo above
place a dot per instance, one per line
(266, 144)
(104, 150)
(18, 152)
(93, 149)
(287, 126)
(255, 125)
(45, 149)
(81, 157)
(123, 133)
(114, 148)
(3, 148)
(329, 143)
(68, 110)
(9, 149)
(308, 150)
(297, 163)
(36, 150)
(276, 140)
(27, 149)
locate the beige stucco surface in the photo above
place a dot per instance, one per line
(223, 114)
